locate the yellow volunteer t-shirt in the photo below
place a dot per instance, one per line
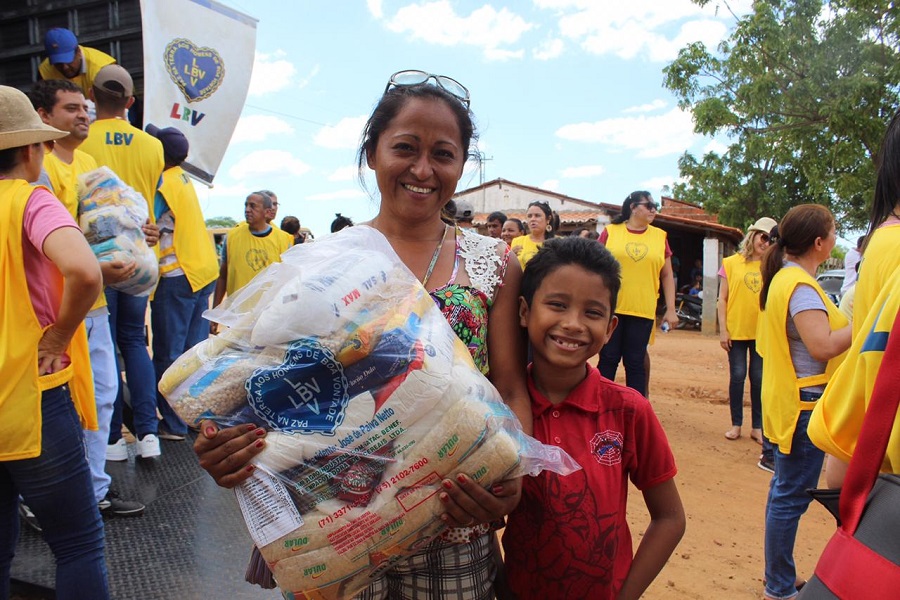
(838, 416)
(876, 266)
(194, 251)
(780, 386)
(92, 61)
(20, 332)
(641, 256)
(249, 254)
(135, 156)
(744, 283)
(529, 248)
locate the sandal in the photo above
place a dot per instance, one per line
(756, 436)
(733, 433)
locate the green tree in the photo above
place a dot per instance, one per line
(803, 90)
(220, 222)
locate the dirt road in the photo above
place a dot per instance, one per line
(724, 492)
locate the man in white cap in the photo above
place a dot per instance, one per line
(137, 158)
(61, 104)
(49, 277)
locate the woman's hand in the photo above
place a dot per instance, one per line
(468, 504)
(51, 348)
(517, 250)
(671, 317)
(725, 340)
(226, 453)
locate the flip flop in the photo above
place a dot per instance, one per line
(756, 436)
(733, 433)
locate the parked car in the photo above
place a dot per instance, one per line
(831, 282)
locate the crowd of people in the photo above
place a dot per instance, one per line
(533, 307)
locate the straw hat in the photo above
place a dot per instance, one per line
(20, 125)
(763, 224)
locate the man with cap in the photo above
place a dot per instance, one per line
(67, 60)
(49, 278)
(137, 158)
(465, 213)
(61, 104)
(188, 269)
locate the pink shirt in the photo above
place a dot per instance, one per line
(44, 214)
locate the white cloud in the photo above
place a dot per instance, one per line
(583, 171)
(715, 146)
(548, 49)
(348, 173)
(656, 183)
(551, 185)
(649, 107)
(650, 136)
(648, 28)
(268, 162)
(343, 135)
(256, 128)
(437, 23)
(375, 8)
(348, 194)
(271, 73)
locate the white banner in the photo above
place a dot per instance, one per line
(198, 56)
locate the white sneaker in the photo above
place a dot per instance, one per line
(148, 446)
(118, 451)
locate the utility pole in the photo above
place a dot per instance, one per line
(481, 158)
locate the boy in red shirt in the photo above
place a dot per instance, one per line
(569, 538)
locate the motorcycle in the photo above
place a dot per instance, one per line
(689, 310)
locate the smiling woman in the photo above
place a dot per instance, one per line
(417, 141)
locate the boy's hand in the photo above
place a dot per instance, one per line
(226, 453)
(468, 504)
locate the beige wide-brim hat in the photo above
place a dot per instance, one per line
(764, 224)
(20, 125)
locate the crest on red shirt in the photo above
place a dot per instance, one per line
(606, 447)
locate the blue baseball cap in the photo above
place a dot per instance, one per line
(60, 45)
(175, 144)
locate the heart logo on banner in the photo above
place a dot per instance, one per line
(753, 281)
(636, 251)
(198, 72)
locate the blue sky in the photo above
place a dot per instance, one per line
(567, 94)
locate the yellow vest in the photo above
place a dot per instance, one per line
(880, 260)
(742, 309)
(837, 418)
(93, 61)
(20, 332)
(529, 248)
(136, 157)
(190, 244)
(780, 385)
(249, 254)
(642, 257)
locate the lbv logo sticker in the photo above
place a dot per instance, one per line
(198, 72)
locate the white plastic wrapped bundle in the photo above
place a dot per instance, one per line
(372, 400)
(111, 215)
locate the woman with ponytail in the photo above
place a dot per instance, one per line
(646, 259)
(543, 223)
(802, 338)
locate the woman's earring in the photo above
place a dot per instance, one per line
(549, 229)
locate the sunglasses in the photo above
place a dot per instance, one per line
(413, 77)
(653, 206)
(764, 237)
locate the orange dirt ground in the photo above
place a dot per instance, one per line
(724, 493)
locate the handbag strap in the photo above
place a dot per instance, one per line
(874, 434)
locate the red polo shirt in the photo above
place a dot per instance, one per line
(569, 538)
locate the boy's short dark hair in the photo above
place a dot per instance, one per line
(497, 216)
(584, 253)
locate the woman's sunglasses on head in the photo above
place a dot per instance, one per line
(413, 77)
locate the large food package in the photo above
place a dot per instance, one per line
(111, 215)
(371, 401)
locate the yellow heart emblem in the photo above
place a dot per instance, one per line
(753, 281)
(636, 251)
(257, 259)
